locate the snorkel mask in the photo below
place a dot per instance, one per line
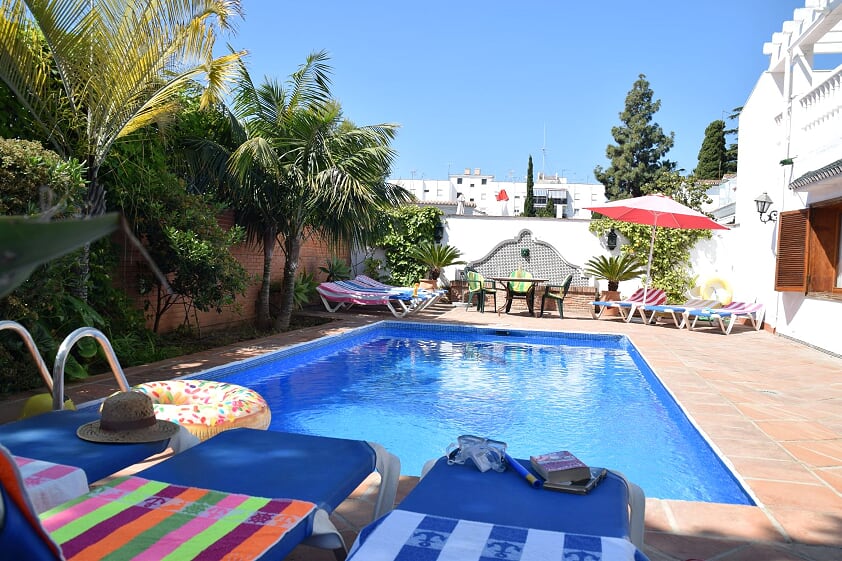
(484, 453)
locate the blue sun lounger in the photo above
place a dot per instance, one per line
(460, 501)
(318, 469)
(131, 517)
(52, 437)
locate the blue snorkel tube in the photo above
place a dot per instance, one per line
(533, 481)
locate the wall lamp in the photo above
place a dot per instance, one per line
(763, 203)
(611, 239)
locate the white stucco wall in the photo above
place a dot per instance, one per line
(475, 236)
(766, 137)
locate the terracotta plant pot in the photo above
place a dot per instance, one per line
(429, 284)
(610, 296)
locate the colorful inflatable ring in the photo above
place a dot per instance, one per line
(205, 407)
(716, 288)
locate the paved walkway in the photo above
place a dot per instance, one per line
(772, 407)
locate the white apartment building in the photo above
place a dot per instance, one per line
(486, 196)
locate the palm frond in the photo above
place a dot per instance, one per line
(120, 63)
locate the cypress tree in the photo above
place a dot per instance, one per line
(731, 152)
(638, 157)
(712, 154)
(529, 201)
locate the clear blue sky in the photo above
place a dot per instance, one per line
(476, 84)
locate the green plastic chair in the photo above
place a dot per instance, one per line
(477, 285)
(556, 292)
(523, 290)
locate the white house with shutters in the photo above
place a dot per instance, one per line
(790, 153)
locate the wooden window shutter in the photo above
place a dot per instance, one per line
(822, 248)
(791, 266)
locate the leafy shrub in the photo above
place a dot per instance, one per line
(32, 177)
(34, 180)
(408, 227)
(373, 268)
(305, 289)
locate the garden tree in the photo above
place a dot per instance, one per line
(301, 170)
(179, 229)
(671, 255)
(637, 158)
(712, 154)
(529, 201)
(119, 64)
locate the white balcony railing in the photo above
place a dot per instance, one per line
(817, 122)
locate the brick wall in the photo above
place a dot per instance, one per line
(314, 254)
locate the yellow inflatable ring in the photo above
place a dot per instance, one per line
(717, 288)
(206, 407)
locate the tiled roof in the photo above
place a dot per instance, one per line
(827, 172)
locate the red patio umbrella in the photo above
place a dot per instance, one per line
(656, 210)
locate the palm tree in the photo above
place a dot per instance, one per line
(303, 170)
(119, 64)
(91, 71)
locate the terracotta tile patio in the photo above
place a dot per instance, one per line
(771, 406)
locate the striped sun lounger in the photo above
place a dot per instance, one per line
(751, 311)
(673, 311)
(133, 518)
(627, 307)
(336, 297)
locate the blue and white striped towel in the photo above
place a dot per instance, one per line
(410, 536)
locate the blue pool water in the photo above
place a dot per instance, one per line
(415, 387)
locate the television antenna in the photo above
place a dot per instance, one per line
(544, 152)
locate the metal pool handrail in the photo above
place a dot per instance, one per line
(64, 351)
(33, 349)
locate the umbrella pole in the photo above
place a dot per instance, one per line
(649, 263)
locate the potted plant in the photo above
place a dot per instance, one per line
(614, 269)
(435, 257)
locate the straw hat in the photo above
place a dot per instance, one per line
(127, 417)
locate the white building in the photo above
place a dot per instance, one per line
(485, 195)
(790, 145)
(723, 196)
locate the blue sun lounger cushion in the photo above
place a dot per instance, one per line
(317, 469)
(132, 517)
(410, 536)
(501, 501)
(52, 437)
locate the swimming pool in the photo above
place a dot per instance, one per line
(415, 387)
